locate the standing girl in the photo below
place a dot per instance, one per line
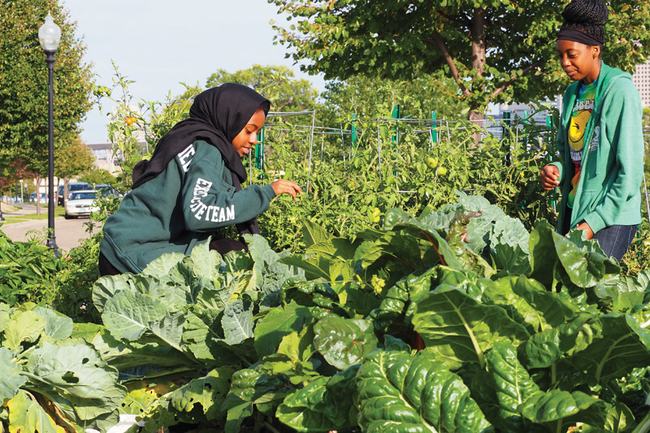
(191, 187)
(600, 138)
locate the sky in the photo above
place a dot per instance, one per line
(160, 43)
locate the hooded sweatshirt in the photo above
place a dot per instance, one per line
(609, 190)
(192, 185)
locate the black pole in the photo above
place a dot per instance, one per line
(2, 218)
(51, 238)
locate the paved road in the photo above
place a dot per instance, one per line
(68, 233)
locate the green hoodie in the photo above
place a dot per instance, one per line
(609, 190)
(178, 209)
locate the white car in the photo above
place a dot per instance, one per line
(81, 203)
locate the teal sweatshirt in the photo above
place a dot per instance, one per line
(609, 190)
(179, 209)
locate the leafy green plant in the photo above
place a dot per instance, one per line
(528, 331)
(50, 381)
(27, 272)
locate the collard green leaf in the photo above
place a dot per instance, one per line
(10, 380)
(76, 379)
(458, 330)
(129, 314)
(237, 322)
(56, 326)
(344, 342)
(24, 326)
(26, 415)
(397, 392)
(163, 265)
(108, 286)
(209, 393)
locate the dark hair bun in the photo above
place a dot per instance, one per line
(587, 16)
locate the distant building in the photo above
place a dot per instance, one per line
(107, 158)
(641, 79)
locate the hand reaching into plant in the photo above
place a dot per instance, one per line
(550, 177)
(283, 186)
(587, 229)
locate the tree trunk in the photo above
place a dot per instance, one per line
(478, 64)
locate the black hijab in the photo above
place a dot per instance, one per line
(216, 116)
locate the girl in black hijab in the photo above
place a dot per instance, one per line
(191, 187)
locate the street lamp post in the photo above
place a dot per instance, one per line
(50, 35)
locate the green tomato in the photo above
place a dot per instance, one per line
(432, 162)
(441, 171)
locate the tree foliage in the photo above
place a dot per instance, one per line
(369, 97)
(276, 83)
(73, 159)
(24, 82)
(495, 50)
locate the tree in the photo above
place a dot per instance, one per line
(495, 50)
(73, 160)
(370, 97)
(276, 83)
(24, 83)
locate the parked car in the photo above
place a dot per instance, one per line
(32, 198)
(81, 203)
(106, 189)
(73, 186)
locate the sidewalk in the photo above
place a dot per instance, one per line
(68, 233)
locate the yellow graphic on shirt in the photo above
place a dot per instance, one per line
(577, 129)
(582, 109)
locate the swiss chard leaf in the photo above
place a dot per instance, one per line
(458, 329)
(344, 342)
(404, 393)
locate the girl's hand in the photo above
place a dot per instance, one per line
(586, 228)
(283, 186)
(550, 177)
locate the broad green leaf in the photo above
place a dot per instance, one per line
(547, 347)
(344, 342)
(5, 312)
(323, 405)
(24, 326)
(458, 330)
(57, 327)
(76, 379)
(527, 299)
(298, 346)
(621, 346)
(313, 233)
(208, 392)
(128, 314)
(10, 380)
(27, 416)
(512, 384)
(397, 392)
(108, 286)
(237, 322)
(278, 323)
(163, 265)
(554, 405)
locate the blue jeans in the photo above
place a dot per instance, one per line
(615, 240)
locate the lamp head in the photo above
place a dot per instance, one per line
(49, 34)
